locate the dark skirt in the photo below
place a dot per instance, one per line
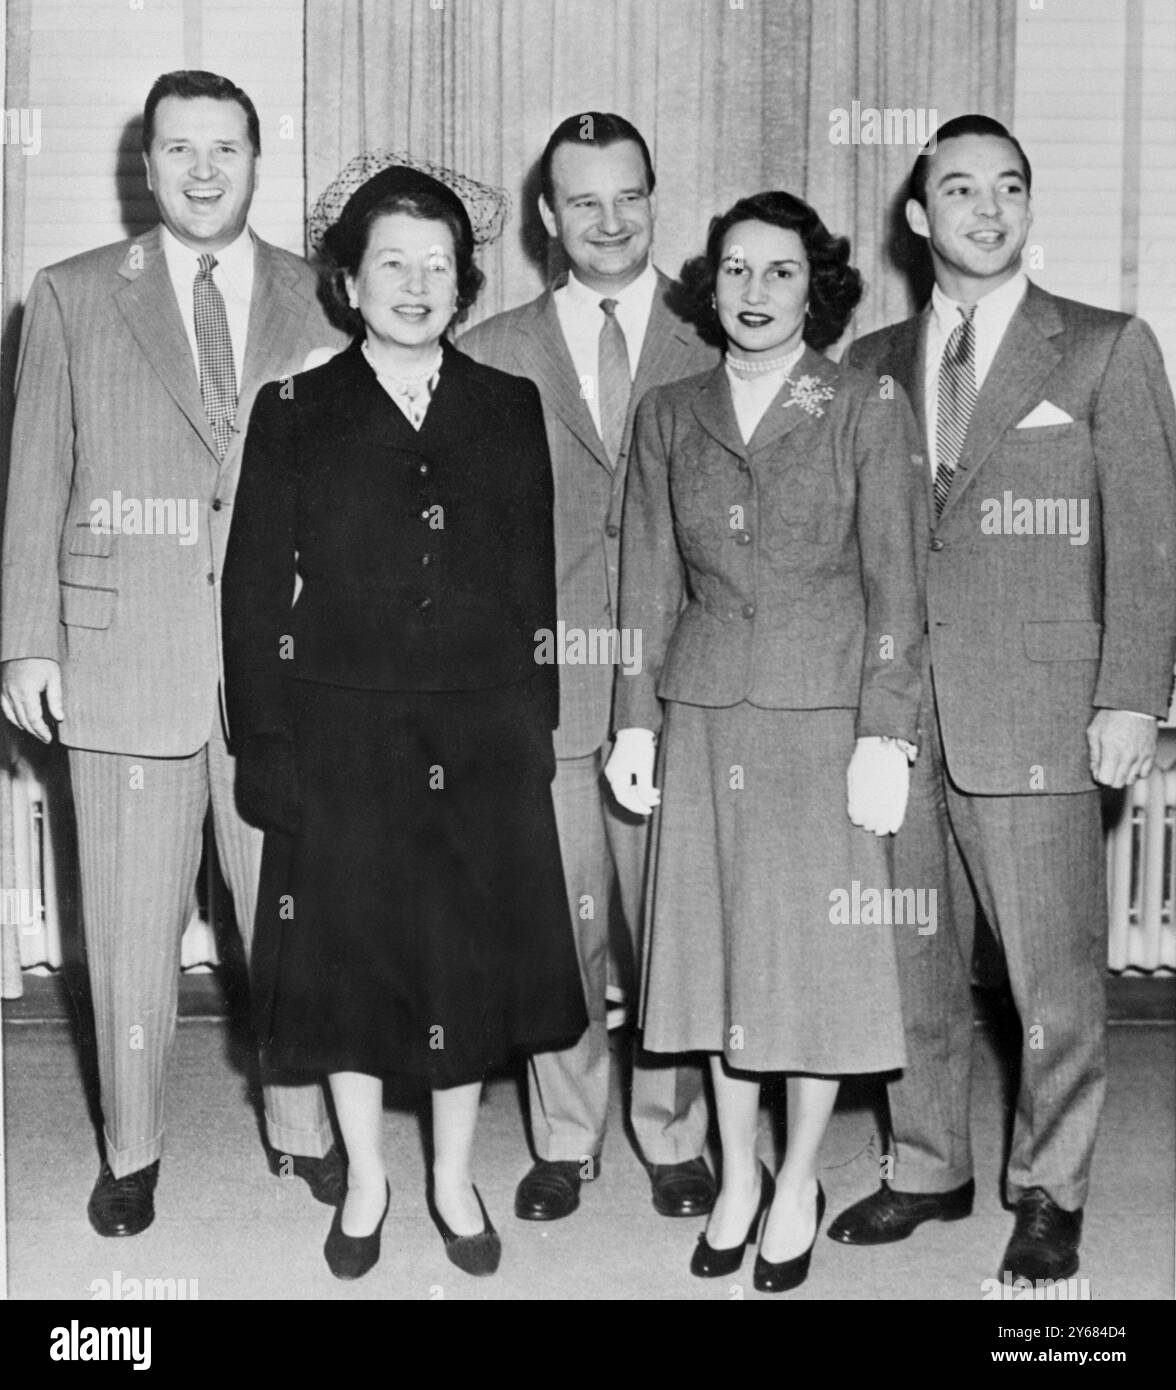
(418, 920)
(748, 952)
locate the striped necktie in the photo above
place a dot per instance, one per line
(214, 348)
(614, 380)
(957, 400)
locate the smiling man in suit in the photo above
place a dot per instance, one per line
(594, 344)
(1051, 604)
(138, 367)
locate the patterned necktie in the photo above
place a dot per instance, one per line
(957, 400)
(214, 347)
(614, 380)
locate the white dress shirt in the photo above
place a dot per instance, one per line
(232, 275)
(994, 313)
(582, 318)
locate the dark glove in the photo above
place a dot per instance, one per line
(267, 783)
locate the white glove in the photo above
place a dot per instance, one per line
(878, 782)
(629, 771)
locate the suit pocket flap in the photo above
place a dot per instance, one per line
(1063, 641)
(85, 607)
(86, 541)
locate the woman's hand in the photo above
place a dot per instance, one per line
(267, 783)
(878, 782)
(629, 771)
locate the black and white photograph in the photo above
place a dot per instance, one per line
(587, 635)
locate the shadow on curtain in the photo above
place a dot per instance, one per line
(733, 96)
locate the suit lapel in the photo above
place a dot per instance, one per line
(1024, 361)
(276, 313)
(147, 302)
(664, 334)
(785, 412)
(548, 363)
(715, 413)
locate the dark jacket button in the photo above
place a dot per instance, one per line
(749, 610)
(612, 531)
(936, 544)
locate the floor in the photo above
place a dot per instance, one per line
(232, 1231)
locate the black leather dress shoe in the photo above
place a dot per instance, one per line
(888, 1215)
(551, 1189)
(326, 1177)
(123, 1206)
(350, 1257)
(1045, 1239)
(682, 1189)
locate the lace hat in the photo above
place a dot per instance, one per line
(369, 177)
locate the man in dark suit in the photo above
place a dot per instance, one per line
(138, 367)
(1051, 605)
(594, 344)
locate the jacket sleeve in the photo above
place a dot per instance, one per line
(892, 540)
(39, 481)
(1134, 439)
(530, 568)
(652, 573)
(257, 588)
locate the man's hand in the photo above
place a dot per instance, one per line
(629, 771)
(1122, 746)
(21, 687)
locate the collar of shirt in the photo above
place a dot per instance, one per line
(581, 319)
(232, 275)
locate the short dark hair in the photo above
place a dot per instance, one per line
(600, 128)
(345, 243)
(190, 83)
(950, 130)
(835, 286)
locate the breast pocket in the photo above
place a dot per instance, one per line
(1050, 438)
(86, 541)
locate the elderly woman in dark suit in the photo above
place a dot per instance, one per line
(394, 731)
(773, 519)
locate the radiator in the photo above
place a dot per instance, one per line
(1141, 874)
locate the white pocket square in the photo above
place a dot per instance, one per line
(1045, 414)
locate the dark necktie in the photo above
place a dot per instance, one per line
(614, 380)
(214, 347)
(957, 400)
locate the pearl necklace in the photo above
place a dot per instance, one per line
(747, 369)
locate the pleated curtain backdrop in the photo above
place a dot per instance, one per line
(733, 96)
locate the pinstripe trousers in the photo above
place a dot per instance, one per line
(140, 823)
(1037, 866)
(604, 848)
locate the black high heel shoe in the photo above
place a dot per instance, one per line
(788, 1274)
(709, 1263)
(478, 1254)
(350, 1257)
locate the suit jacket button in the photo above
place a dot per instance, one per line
(612, 531)
(425, 559)
(424, 468)
(425, 603)
(217, 505)
(212, 578)
(936, 544)
(749, 610)
(744, 466)
(743, 537)
(425, 514)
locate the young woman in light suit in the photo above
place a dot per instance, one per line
(774, 514)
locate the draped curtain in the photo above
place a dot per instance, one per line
(733, 96)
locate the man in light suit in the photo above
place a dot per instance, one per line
(138, 366)
(1051, 606)
(594, 344)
